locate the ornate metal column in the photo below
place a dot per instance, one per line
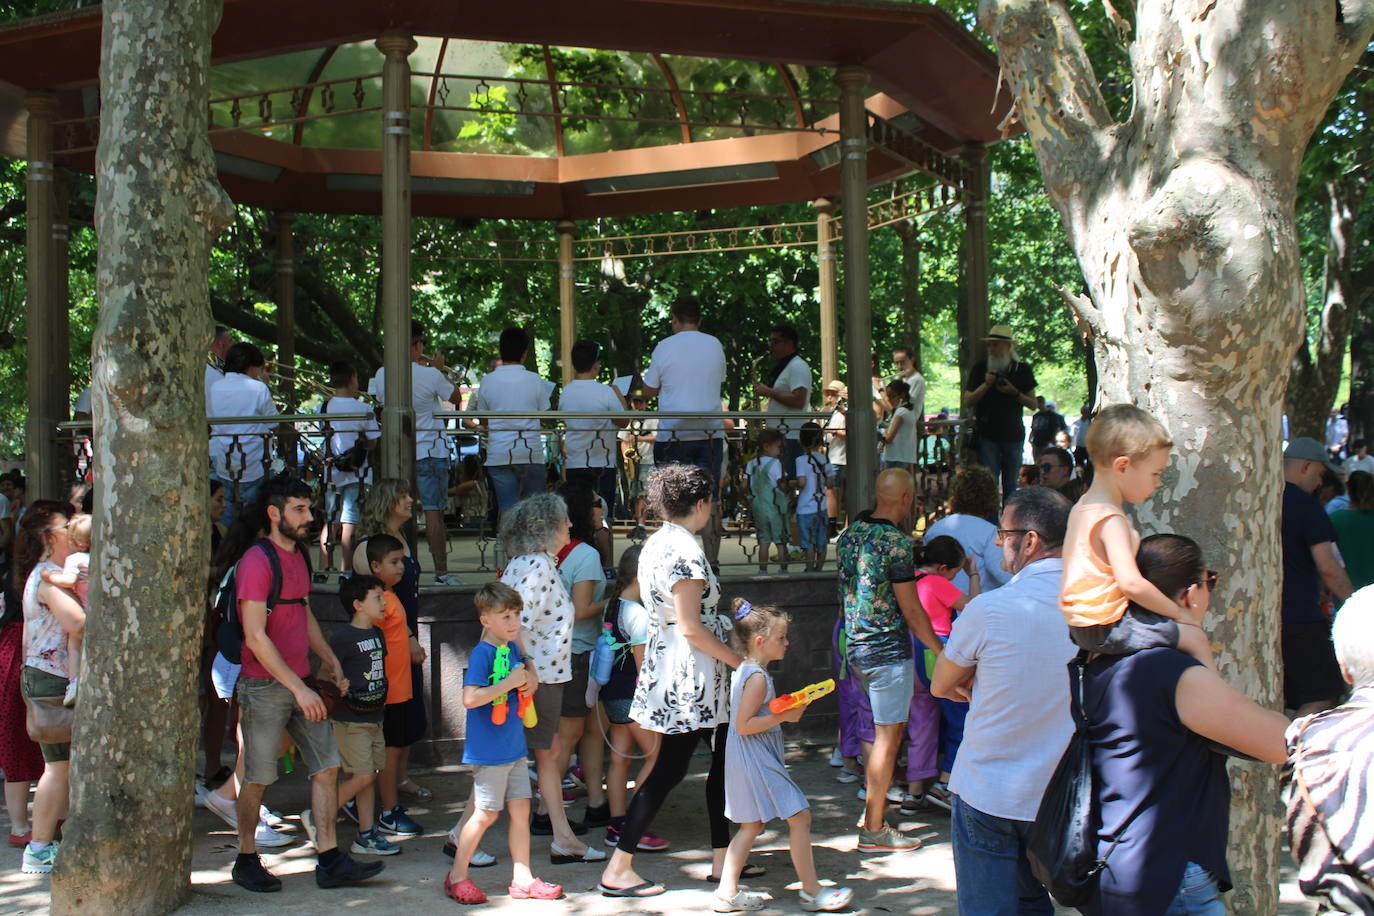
(861, 427)
(47, 358)
(825, 269)
(398, 412)
(567, 298)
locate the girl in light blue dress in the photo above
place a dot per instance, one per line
(759, 788)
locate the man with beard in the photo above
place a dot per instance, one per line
(999, 386)
(272, 693)
(788, 389)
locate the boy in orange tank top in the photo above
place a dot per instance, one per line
(1110, 607)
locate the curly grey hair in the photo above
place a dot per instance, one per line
(533, 524)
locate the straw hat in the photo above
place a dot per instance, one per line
(1000, 332)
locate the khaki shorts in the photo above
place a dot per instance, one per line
(493, 786)
(361, 746)
(266, 709)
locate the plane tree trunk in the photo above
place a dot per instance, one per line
(1182, 218)
(128, 838)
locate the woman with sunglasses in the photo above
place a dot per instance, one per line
(1158, 721)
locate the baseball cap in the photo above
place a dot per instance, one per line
(1306, 449)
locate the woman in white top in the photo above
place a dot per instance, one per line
(533, 532)
(50, 613)
(900, 438)
(684, 685)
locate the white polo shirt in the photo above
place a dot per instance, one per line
(239, 395)
(512, 441)
(429, 389)
(589, 443)
(796, 374)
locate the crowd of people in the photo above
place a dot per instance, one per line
(967, 655)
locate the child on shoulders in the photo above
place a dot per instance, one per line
(496, 747)
(759, 788)
(1110, 607)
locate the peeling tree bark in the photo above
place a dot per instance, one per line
(128, 845)
(1182, 220)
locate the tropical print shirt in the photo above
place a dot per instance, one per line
(874, 554)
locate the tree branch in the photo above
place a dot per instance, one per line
(1085, 313)
(336, 307)
(1047, 67)
(241, 317)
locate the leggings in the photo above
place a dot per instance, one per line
(674, 757)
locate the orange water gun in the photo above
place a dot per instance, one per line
(802, 697)
(500, 670)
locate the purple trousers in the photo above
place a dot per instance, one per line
(856, 716)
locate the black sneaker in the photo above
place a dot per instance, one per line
(598, 816)
(345, 871)
(251, 876)
(540, 826)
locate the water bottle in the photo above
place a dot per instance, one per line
(602, 660)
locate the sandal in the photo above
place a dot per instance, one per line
(536, 890)
(411, 787)
(830, 898)
(643, 889)
(560, 856)
(464, 892)
(743, 901)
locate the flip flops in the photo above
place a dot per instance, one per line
(643, 889)
(748, 871)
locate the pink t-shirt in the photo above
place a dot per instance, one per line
(938, 595)
(286, 623)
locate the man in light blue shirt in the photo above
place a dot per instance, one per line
(1016, 643)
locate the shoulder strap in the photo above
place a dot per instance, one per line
(563, 554)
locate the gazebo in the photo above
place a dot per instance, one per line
(438, 109)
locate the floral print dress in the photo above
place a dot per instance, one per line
(547, 615)
(680, 689)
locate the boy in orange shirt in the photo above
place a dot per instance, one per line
(386, 560)
(1110, 607)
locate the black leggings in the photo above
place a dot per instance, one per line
(674, 757)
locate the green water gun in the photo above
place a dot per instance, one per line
(500, 670)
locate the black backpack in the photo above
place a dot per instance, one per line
(1062, 845)
(229, 635)
(351, 459)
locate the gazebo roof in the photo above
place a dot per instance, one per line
(544, 109)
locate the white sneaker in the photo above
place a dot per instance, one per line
(269, 838)
(835, 759)
(222, 808)
(482, 859)
(69, 698)
(271, 818)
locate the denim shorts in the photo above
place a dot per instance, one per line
(495, 784)
(431, 477)
(341, 504)
(266, 708)
(889, 689)
(812, 529)
(618, 711)
(511, 483)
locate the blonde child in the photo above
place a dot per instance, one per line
(768, 497)
(497, 751)
(1110, 607)
(75, 578)
(759, 788)
(357, 723)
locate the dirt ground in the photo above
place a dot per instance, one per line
(917, 883)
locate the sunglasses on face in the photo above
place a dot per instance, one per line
(1210, 578)
(1050, 467)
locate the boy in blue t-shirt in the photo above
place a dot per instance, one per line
(495, 745)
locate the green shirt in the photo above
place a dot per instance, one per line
(1355, 538)
(873, 554)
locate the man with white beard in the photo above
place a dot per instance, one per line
(998, 388)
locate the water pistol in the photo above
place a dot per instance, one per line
(500, 670)
(802, 697)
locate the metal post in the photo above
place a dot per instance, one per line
(974, 326)
(567, 298)
(861, 426)
(60, 371)
(40, 443)
(286, 327)
(825, 269)
(398, 413)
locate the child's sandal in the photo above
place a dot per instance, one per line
(829, 899)
(743, 901)
(536, 890)
(464, 892)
